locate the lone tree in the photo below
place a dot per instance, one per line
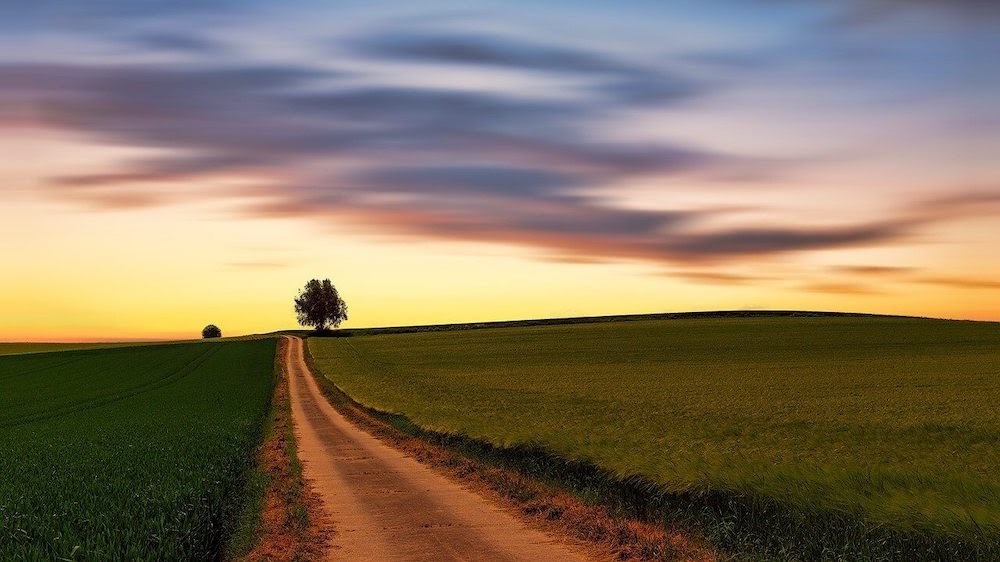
(211, 331)
(319, 305)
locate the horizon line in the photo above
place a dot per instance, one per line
(749, 312)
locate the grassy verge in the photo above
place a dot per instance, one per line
(282, 520)
(507, 478)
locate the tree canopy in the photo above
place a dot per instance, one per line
(211, 331)
(319, 305)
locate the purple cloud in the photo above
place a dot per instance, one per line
(427, 158)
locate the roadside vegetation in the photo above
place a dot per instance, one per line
(135, 453)
(796, 438)
(283, 519)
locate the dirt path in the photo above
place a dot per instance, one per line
(387, 506)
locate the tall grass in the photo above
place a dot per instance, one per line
(137, 453)
(805, 438)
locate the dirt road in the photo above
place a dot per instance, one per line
(387, 506)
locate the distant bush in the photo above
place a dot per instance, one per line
(211, 331)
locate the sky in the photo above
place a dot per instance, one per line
(172, 164)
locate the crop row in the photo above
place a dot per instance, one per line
(137, 453)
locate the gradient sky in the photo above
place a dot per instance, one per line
(170, 164)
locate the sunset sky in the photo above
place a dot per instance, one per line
(167, 164)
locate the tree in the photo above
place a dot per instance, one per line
(211, 331)
(319, 305)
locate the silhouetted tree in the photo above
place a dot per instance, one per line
(319, 305)
(211, 331)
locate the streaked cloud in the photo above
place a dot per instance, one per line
(623, 81)
(718, 277)
(874, 270)
(482, 133)
(836, 288)
(962, 282)
(176, 41)
(763, 241)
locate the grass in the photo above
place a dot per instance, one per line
(133, 453)
(814, 437)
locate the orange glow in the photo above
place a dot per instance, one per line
(165, 273)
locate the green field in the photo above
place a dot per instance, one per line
(132, 453)
(881, 436)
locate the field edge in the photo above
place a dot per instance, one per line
(284, 520)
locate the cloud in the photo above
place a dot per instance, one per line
(424, 158)
(177, 42)
(399, 107)
(230, 119)
(105, 198)
(557, 224)
(962, 282)
(737, 242)
(971, 202)
(22, 16)
(213, 110)
(908, 275)
(860, 13)
(165, 169)
(624, 82)
(484, 50)
(841, 289)
(564, 226)
(488, 180)
(717, 277)
(873, 270)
